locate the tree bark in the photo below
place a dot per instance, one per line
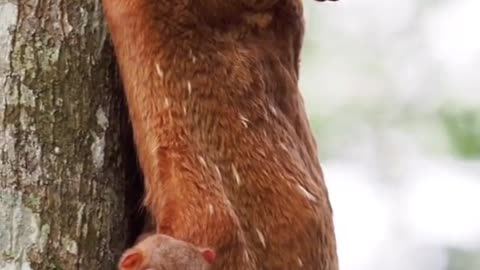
(62, 188)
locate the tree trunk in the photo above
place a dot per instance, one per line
(62, 177)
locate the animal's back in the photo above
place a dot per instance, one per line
(223, 99)
(255, 134)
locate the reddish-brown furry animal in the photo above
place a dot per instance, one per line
(162, 252)
(221, 131)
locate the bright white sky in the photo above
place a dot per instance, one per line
(372, 53)
(375, 50)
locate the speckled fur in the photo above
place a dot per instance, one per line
(221, 131)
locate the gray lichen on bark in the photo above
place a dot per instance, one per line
(61, 176)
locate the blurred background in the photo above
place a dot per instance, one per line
(392, 92)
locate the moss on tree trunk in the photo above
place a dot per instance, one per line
(62, 182)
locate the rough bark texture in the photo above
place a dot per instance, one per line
(62, 182)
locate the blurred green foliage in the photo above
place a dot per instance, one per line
(463, 130)
(463, 260)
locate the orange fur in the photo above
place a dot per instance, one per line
(221, 130)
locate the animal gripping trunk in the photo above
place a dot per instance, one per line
(231, 164)
(189, 204)
(183, 195)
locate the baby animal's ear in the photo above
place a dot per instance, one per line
(131, 259)
(208, 254)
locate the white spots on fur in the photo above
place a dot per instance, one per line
(210, 209)
(159, 70)
(284, 147)
(261, 237)
(273, 110)
(247, 257)
(189, 87)
(219, 174)
(236, 175)
(155, 148)
(166, 103)
(265, 173)
(202, 161)
(290, 186)
(185, 109)
(190, 53)
(244, 121)
(262, 152)
(300, 262)
(306, 193)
